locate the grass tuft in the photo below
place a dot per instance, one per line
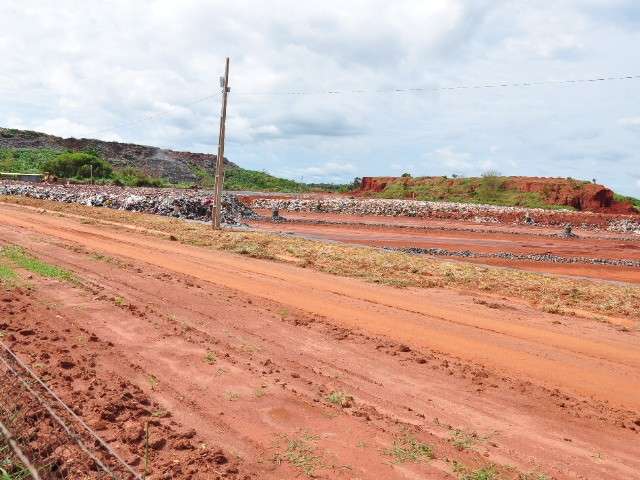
(340, 399)
(406, 448)
(301, 453)
(7, 275)
(22, 259)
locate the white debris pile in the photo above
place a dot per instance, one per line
(390, 207)
(193, 205)
(625, 226)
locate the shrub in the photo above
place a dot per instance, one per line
(78, 165)
(134, 177)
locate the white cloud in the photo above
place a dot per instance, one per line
(131, 70)
(630, 122)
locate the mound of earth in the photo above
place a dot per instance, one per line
(157, 162)
(518, 191)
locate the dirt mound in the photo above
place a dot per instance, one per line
(158, 162)
(581, 195)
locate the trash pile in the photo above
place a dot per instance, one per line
(386, 207)
(625, 226)
(192, 205)
(478, 213)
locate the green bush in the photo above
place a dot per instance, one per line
(78, 165)
(242, 179)
(134, 177)
(25, 160)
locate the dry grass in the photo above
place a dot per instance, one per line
(378, 266)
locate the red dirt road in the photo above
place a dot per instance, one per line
(544, 393)
(456, 235)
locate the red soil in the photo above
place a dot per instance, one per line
(543, 392)
(459, 236)
(555, 191)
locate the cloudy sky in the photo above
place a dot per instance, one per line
(135, 71)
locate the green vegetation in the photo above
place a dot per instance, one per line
(134, 177)
(25, 160)
(484, 473)
(78, 165)
(22, 259)
(407, 448)
(7, 275)
(15, 472)
(242, 179)
(632, 200)
(301, 454)
(490, 189)
(340, 399)
(463, 440)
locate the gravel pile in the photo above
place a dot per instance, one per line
(193, 205)
(625, 226)
(534, 257)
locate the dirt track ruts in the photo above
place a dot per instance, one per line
(577, 357)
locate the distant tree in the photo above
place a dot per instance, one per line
(406, 175)
(594, 180)
(454, 175)
(78, 165)
(357, 183)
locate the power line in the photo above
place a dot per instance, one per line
(387, 90)
(445, 88)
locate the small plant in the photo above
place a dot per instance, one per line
(119, 301)
(301, 454)
(485, 473)
(232, 396)
(210, 358)
(406, 448)
(153, 382)
(533, 476)
(260, 392)
(463, 440)
(340, 399)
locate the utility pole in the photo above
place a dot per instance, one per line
(215, 214)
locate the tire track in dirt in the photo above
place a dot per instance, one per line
(605, 368)
(376, 371)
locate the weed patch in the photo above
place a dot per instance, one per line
(406, 448)
(22, 259)
(340, 399)
(301, 453)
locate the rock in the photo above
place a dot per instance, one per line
(188, 204)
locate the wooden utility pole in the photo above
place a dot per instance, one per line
(217, 206)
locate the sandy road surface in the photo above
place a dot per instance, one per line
(543, 394)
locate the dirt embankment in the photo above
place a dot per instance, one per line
(580, 195)
(159, 162)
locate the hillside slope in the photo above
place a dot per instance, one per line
(511, 191)
(157, 162)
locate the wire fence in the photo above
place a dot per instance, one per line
(42, 438)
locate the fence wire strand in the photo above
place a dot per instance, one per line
(42, 438)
